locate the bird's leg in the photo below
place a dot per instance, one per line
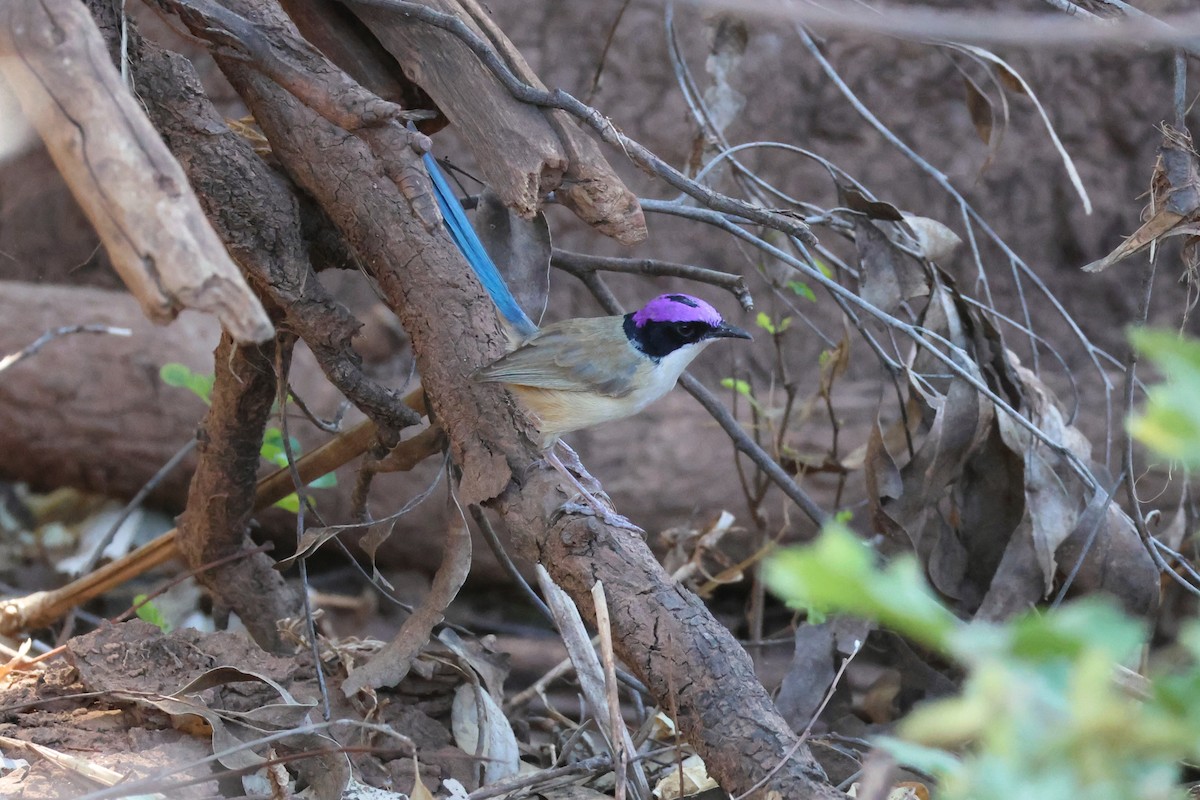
(573, 463)
(603, 512)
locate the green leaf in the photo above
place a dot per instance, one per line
(178, 375)
(1068, 632)
(272, 449)
(765, 323)
(803, 290)
(837, 573)
(289, 503)
(823, 268)
(173, 374)
(738, 385)
(149, 612)
(326, 481)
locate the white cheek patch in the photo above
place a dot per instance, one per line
(666, 373)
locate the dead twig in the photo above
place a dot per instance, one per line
(592, 682)
(579, 263)
(37, 344)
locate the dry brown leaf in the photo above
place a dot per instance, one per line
(888, 276)
(818, 650)
(419, 791)
(908, 492)
(983, 115)
(309, 543)
(1174, 196)
(855, 200)
(936, 241)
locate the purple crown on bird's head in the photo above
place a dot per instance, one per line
(677, 308)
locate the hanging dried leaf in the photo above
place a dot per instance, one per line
(989, 500)
(521, 249)
(309, 543)
(888, 276)
(855, 200)
(907, 493)
(936, 241)
(983, 114)
(1174, 196)
(994, 514)
(1010, 79)
(1059, 509)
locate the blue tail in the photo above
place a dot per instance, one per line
(468, 242)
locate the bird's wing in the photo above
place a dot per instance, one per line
(577, 355)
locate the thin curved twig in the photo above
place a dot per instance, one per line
(579, 263)
(37, 344)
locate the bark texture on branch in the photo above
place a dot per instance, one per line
(334, 30)
(54, 58)
(222, 497)
(372, 201)
(254, 210)
(669, 639)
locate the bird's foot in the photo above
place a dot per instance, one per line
(605, 515)
(593, 506)
(572, 463)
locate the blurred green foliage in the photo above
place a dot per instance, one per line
(1041, 714)
(148, 612)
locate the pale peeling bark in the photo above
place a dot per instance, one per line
(122, 175)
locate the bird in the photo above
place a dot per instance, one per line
(583, 372)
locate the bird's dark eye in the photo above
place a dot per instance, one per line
(688, 330)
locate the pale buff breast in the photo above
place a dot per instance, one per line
(557, 412)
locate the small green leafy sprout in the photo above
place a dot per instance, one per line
(272, 449)
(182, 377)
(738, 385)
(772, 327)
(743, 388)
(802, 289)
(148, 612)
